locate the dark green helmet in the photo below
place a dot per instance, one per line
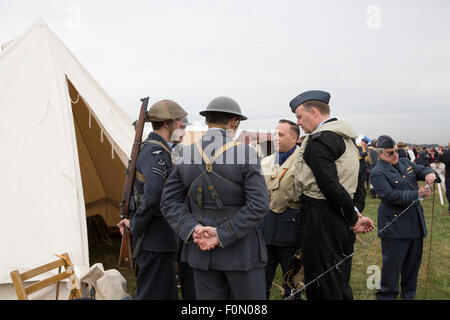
(223, 104)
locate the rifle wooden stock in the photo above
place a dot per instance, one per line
(125, 256)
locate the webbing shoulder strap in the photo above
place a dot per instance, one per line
(224, 148)
(159, 143)
(208, 163)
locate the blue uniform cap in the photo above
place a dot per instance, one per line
(385, 142)
(309, 95)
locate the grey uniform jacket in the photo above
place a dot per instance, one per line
(237, 179)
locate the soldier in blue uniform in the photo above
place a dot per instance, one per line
(154, 242)
(214, 199)
(395, 182)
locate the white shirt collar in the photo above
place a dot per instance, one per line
(322, 122)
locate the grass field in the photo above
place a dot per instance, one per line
(366, 256)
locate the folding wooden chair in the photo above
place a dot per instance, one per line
(63, 261)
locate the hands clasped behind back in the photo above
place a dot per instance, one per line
(205, 237)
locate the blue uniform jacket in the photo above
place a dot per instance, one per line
(397, 190)
(154, 162)
(239, 183)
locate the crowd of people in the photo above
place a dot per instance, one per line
(227, 218)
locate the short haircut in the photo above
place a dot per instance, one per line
(157, 125)
(292, 126)
(322, 107)
(221, 118)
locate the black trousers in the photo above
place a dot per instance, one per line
(401, 258)
(156, 276)
(226, 285)
(187, 284)
(326, 240)
(278, 255)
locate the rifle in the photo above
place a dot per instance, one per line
(125, 256)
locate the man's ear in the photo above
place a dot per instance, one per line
(167, 124)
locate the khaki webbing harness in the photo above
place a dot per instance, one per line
(209, 162)
(209, 169)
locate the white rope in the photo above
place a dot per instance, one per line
(78, 98)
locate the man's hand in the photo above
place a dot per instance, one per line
(363, 225)
(429, 178)
(124, 223)
(205, 237)
(425, 191)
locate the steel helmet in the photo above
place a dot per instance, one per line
(164, 110)
(223, 104)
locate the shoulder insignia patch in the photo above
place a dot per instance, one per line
(161, 162)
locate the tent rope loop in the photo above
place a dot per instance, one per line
(78, 98)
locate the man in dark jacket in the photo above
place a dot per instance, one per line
(423, 157)
(373, 160)
(401, 232)
(154, 242)
(214, 200)
(326, 180)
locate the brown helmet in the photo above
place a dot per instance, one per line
(164, 110)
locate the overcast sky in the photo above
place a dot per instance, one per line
(385, 63)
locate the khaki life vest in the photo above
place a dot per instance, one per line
(347, 164)
(280, 182)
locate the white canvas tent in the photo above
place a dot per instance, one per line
(64, 147)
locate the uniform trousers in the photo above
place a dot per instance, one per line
(400, 258)
(278, 255)
(187, 284)
(156, 276)
(226, 285)
(326, 239)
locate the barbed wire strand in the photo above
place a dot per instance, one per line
(293, 293)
